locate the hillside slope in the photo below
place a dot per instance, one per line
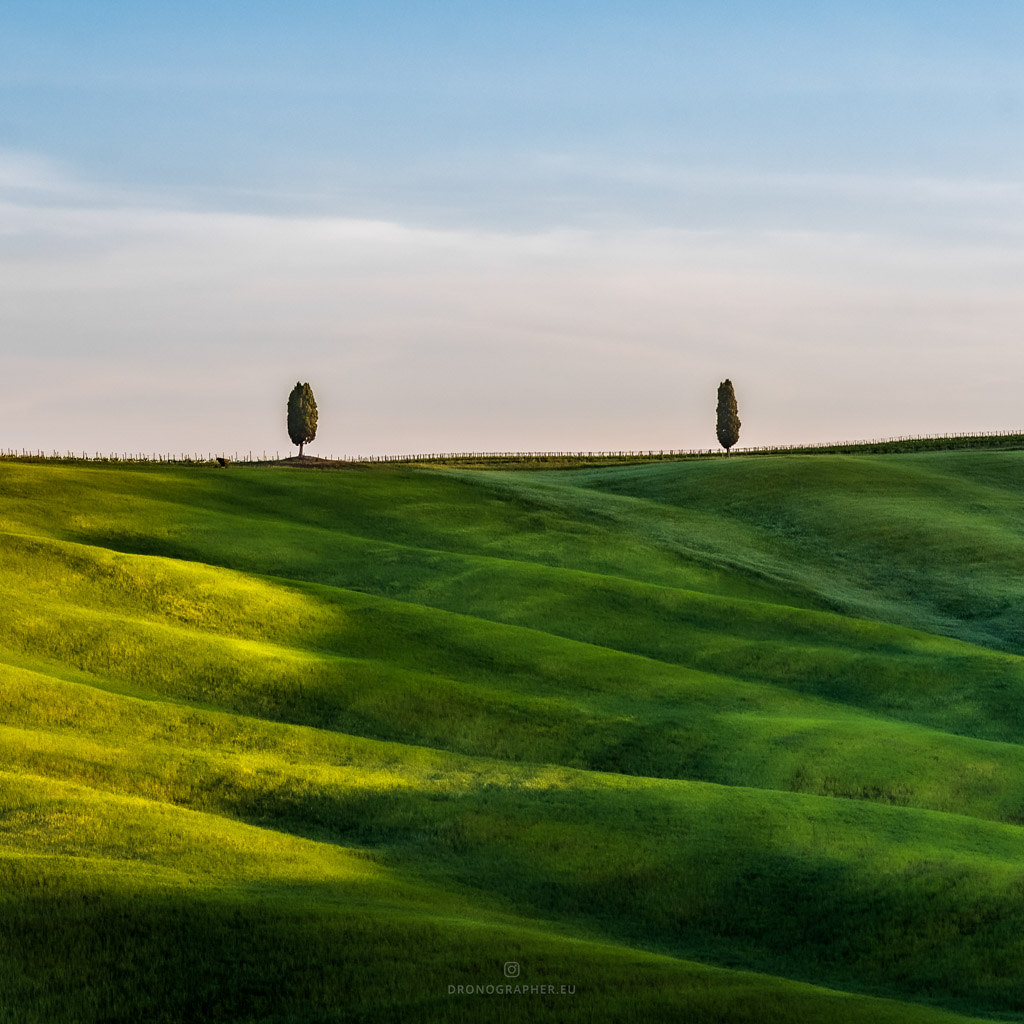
(740, 740)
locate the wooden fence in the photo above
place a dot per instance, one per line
(905, 441)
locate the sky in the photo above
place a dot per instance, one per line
(508, 226)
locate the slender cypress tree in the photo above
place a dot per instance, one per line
(728, 418)
(301, 415)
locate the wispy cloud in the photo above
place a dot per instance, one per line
(24, 172)
(182, 327)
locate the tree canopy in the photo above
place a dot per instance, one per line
(728, 417)
(301, 415)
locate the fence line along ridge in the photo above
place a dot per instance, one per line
(896, 443)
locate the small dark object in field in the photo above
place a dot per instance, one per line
(222, 462)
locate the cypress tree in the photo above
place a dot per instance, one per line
(301, 415)
(728, 419)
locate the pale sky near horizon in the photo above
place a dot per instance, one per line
(508, 226)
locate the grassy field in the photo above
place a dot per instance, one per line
(732, 740)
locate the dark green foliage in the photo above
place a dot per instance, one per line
(301, 415)
(728, 425)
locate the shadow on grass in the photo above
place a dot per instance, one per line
(298, 955)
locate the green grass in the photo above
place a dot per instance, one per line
(715, 741)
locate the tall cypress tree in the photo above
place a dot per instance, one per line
(301, 415)
(728, 418)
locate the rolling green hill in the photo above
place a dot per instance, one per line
(734, 740)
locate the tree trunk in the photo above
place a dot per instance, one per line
(300, 449)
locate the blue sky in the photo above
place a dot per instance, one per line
(508, 225)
